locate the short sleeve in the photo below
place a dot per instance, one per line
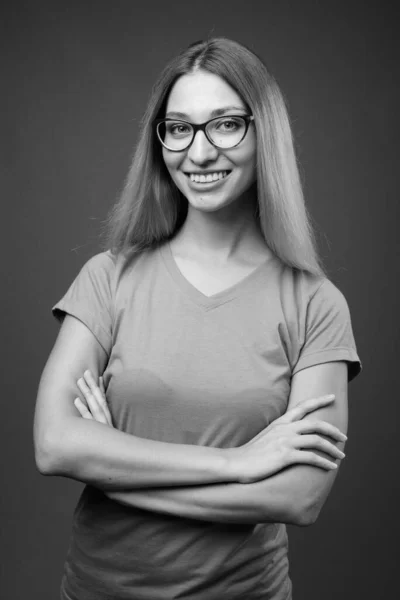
(328, 331)
(89, 298)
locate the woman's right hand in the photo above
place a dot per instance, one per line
(288, 440)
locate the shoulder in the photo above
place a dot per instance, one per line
(98, 271)
(298, 288)
(311, 301)
(304, 289)
(327, 292)
(103, 261)
(120, 271)
(105, 266)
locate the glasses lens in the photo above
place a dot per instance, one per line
(227, 132)
(175, 135)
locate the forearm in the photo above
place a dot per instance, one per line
(293, 496)
(110, 459)
(223, 503)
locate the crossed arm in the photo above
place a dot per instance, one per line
(187, 481)
(294, 495)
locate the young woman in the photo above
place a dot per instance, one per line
(198, 384)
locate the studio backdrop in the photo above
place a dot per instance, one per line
(76, 77)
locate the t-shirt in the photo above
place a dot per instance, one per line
(187, 368)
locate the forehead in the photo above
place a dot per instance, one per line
(198, 94)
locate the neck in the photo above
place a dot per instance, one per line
(228, 233)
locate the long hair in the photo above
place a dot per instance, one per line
(151, 209)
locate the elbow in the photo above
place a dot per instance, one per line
(302, 512)
(48, 455)
(306, 513)
(306, 517)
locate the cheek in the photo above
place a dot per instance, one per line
(252, 150)
(248, 162)
(171, 161)
(246, 156)
(252, 160)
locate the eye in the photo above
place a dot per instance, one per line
(177, 129)
(228, 125)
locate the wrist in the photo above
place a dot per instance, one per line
(230, 467)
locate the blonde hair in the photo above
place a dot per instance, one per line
(151, 208)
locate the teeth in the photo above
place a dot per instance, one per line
(209, 177)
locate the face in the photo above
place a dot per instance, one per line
(197, 95)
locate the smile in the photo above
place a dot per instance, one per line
(207, 177)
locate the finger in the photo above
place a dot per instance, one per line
(83, 386)
(95, 389)
(92, 385)
(320, 427)
(85, 413)
(310, 458)
(105, 405)
(99, 397)
(93, 401)
(317, 442)
(106, 411)
(103, 401)
(307, 406)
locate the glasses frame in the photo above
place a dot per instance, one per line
(202, 127)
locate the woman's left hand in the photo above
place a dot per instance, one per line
(96, 407)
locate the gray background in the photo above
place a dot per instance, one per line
(75, 80)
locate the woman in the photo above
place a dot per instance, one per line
(223, 353)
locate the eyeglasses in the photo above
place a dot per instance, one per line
(222, 132)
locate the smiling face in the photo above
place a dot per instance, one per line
(198, 97)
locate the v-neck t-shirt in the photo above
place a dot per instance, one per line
(187, 368)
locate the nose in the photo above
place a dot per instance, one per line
(202, 151)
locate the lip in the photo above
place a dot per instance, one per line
(196, 185)
(207, 172)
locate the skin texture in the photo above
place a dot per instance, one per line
(204, 92)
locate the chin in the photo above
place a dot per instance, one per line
(207, 203)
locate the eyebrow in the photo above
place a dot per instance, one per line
(218, 112)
